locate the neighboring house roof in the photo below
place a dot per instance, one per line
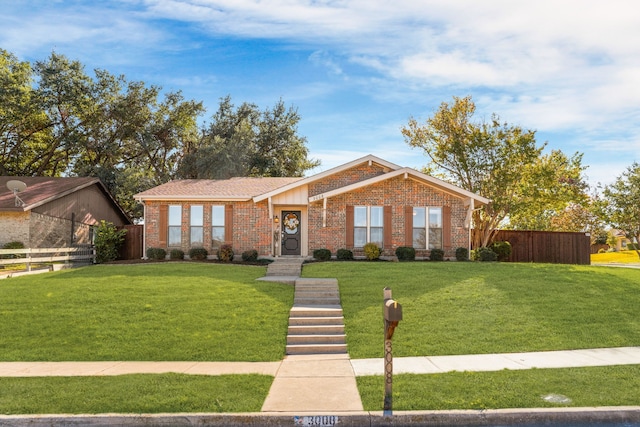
(41, 190)
(240, 188)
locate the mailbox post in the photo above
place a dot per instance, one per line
(392, 313)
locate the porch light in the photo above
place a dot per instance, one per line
(276, 219)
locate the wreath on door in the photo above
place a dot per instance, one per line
(291, 221)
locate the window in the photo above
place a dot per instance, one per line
(217, 226)
(175, 225)
(368, 225)
(427, 228)
(197, 225)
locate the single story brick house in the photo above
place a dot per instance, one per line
(365, 200)
(55, 212)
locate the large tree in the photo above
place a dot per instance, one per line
(621, 203)
(245, 141)
(498, 161)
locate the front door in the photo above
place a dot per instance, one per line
(291, 241)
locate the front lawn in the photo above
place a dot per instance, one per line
(173, 393)
(159, 311)
(473, 308)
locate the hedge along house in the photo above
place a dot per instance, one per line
(55, 212)
(366, 200)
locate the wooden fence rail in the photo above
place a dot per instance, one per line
(46, 255)
(547, 246)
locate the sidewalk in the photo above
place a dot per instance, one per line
(330, 366)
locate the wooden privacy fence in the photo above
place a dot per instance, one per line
(547, 246)
(46, 255)
(132, 246)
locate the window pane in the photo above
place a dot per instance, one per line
(376, 217)
(217, 216)
(174, 236)
(217, 236)
(197, 236)
(435, 238)
(359, 236)
(360, 216)
(197, 216)
(419, 238)
(435, 217)
(175, 215)
(419, 215)
(376, 236)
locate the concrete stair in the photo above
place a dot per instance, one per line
(285, 267)
(316, 324)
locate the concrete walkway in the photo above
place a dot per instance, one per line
(336, 366)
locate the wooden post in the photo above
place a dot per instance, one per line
(388, 363)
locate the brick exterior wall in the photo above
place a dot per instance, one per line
(14, 227)
(41, 231)
(396, 192)
(251, 226)
(253, 229)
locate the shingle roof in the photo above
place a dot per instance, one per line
(240, 188)
(40, 190)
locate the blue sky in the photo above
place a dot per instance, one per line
(357, 70)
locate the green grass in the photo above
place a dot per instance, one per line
(473, 308)
(585, 387)
(161, 311)
(622, 257)
(172, 393)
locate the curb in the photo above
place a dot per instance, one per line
(610, 416)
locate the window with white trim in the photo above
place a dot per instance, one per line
(175, 225)
(368, 225)
(217, 226)
(427, 228)
(197, 225)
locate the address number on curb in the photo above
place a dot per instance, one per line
(316, 420)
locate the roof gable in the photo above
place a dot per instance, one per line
(366, 159)
(408, 173)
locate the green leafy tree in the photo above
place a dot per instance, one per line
(620, 205)
(108, 241)
(243, 141)
(485, 158)
(500, 162)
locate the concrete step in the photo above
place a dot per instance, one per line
(306, 281)
(311, 320)
(308, 293)
(316, 339)
(332, 310)
(316, 330)
(316, 301)
(317, 349)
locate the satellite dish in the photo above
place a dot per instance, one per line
(17, 186)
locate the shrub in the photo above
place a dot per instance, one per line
(406, 253)
(462, 254)
(176, 254)
(322, 254)
(13, 245)
(486, 254)
(250, 255)
(344, 255)
(372, 251)
(225, 253)
(632, 246)
(436, 255)
(198, 254)
(502, 250)
(156, 253)
(108, 241)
